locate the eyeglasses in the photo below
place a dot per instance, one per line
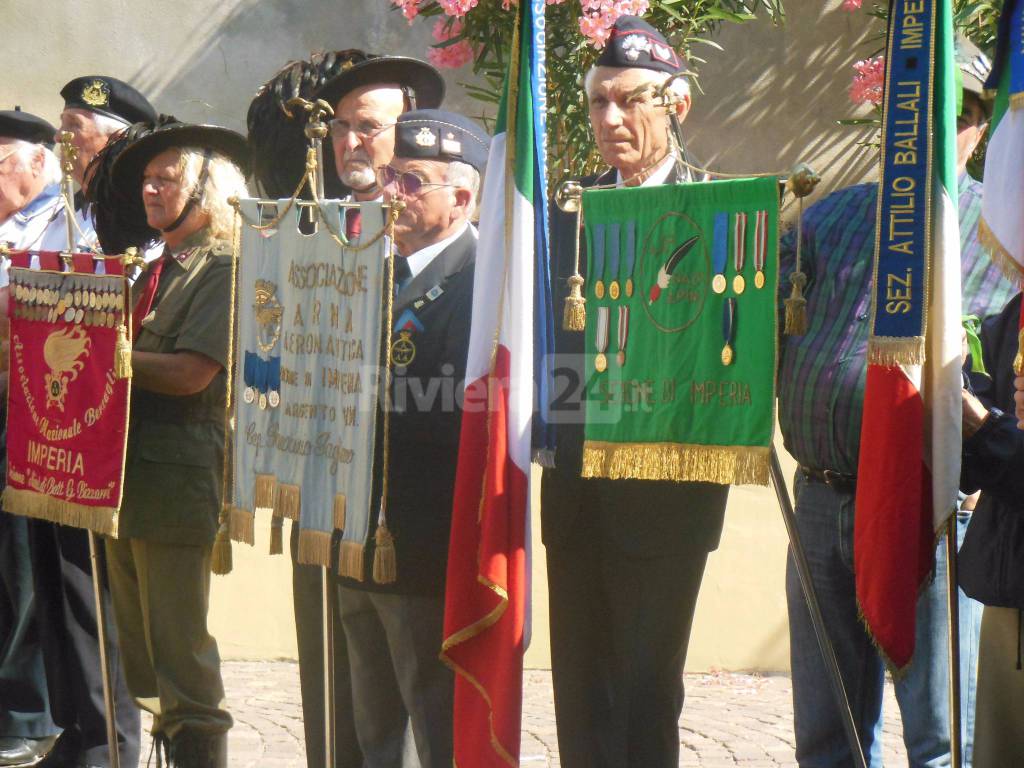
(340, 129)
(407, 182)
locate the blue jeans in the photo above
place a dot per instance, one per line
(825, 522)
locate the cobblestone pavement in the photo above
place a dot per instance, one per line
(729, 720)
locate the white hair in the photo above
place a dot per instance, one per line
(224, 180)
(466, 176)
(680, 87)
(108, 125)
(27, 152)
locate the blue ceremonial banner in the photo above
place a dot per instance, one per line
(903, 232)
(1009, 55)
(309, 331)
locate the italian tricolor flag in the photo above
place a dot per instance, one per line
(487, 589)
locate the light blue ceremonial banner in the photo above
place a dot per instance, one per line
(306, 385)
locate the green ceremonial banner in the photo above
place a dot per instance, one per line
(681, 333)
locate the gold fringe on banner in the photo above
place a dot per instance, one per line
(264, 492)
(1010, 267)
(1017, 100)
(315, 548)
(681, 462)
(339, 511)
(385, 564)
(896, 350)
(221, 559)
(101, 520)
(289, 501)
(350, 560)
(241, 525)
(276, 535)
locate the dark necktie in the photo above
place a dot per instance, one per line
(145, 303)
(353, 223)
(402, 272)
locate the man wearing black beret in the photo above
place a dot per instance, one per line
(625, 557)
(95, 108)
(29, 198)
(394, 626)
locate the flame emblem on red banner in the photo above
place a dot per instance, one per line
(64, 352)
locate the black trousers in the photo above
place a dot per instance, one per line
(68, 631)
(620, 625)
(307, 594)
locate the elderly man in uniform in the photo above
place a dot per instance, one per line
(625, 557)
(29, 198)
(394, 630)
(822, 376)
(95, 108)
(159, 566)
(367, 98)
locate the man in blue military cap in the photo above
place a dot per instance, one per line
(394, 629)
(625, 557)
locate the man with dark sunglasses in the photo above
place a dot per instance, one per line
(394, 630)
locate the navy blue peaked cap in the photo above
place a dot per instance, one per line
(434, 134)
(108, 96)
(635, 43)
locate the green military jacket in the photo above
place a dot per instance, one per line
(174, 473)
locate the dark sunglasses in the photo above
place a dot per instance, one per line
(408, 183)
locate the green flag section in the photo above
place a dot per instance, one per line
(681, 336)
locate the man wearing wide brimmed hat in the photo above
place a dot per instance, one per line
(625, 557)
(159, 566)
(393, 621)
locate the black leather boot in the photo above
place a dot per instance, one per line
(194, 749)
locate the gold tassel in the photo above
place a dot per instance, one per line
(1018, 360)
(276, 535)
(796, 306)
(122, 354)
(385, 566)
(574, 318)
(220, 559)
(339, 511)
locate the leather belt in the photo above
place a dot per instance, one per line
(835, 480)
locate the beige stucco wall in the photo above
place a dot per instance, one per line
(770, 100)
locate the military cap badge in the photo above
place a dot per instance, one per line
(425, 138)
(96, 93)
(634, 45)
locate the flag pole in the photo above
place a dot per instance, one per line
(68, 153)
(953, 594)
(828, 652)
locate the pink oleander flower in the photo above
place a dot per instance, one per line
(410, 8)
(599, 16)
(868, 81)
(852, 5)
(457, 8)
(450, 56)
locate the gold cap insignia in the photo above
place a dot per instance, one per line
(96, 94)
(425, 138)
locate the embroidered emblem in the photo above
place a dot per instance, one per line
(63, 351)
(664, 53)
(634, 45)
(425, 138)
(403, 350)
(96, 94)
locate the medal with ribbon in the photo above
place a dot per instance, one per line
(614, 290)
(601, 339)
(599, 260)
(720, 252)
(630, 256)
(623, 329)
(728, 330)
(760, 247)
(739, 253)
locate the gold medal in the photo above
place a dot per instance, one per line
(78, 298)
(738, 284)
(51, 315)
(727, 354)
(249, 395)
(600, 362)
(620, 357)
(403, 349)
(613, 290)
(69, 315)
(92, 300)
(110, 320)
(273, 398)
(61, 306)
(629, 286)
(68, 299)
(718, 284)
(79, 314)
(759, 279)
(263, 402)
(599, 289)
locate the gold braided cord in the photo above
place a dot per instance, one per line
(69, 211)
(389, 306)
(235, 203)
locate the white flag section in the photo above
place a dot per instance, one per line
(308, 346)
(1001, 228)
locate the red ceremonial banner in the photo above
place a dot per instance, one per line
(67, 404)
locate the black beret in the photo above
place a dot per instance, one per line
(635, 43)
(108, 96)
(424, 83)
(433, 134)
(131, 163)
(15, 124)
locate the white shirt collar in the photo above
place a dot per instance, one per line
(660, 175)
(419, 260)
